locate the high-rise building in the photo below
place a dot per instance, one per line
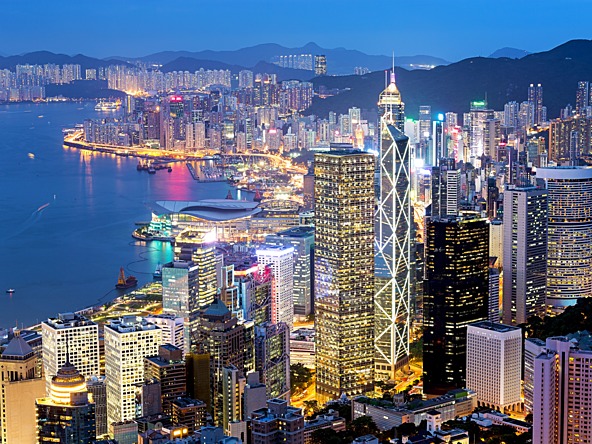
(172, 328)
(569, 227)
(233, 388)
(302, 240)
(525, 255)
(278, 422)
(493, 306)
(225, 341)
(245, 79)
(535, 98)
(19, 387)
(66, 415)
(272, 359)
(582, 97)
(455, 295)
(533, 347)
(127, 342)
(97, 388)
(73, 337)
(562, 400)
(343, 273)
(320, 64)
(167, 368)
(494, 362)
(446, 187)
(281, 261)
(393, 219)
(479, 116)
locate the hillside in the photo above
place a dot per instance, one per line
(453, 87)
(46, 57)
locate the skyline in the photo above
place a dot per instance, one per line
(135, 29)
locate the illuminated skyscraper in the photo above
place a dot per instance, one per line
(393, 238)
(456, 295)
(569, 250)
(320, 65)
(343, 275)
(525, 254)
(66, 415)
(535, 98)
(127, 342)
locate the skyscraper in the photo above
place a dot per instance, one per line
(535, 98)
(393, 219)
(569, 247)
(281, 261)
(525, 255)
(73, 336)
(344, 278)
(320, 62)
(582, 97)
(455, 295)
(66, 415)
(494, 362)
(18, 390)
(302, 239)
(562, 399)
(127, 342)
(272, 358)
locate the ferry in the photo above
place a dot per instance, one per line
(107, 106)
(10, 291)
(157, 275)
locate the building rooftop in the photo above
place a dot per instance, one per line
(129, 324)
(300, 232)
(68, 320)
(17, 348)
(493, 326)
(208, 209)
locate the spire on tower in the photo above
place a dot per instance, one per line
(393, 71)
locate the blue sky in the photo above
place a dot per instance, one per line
(452, 29)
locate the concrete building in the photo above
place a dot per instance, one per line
(569, 251)
(97, 389)
(19, 388)
(344, 273)
(281, 261)
(73, 336)
(533, 347)
(128, 341)
(67, 414)
(494, 363)
(279, 422)
(525, 255)
(172, 328)
(387, 414)
(167, 368)
(272, 359)
(302, 240)
(562, 399)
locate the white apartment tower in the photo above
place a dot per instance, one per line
(525, 253)
(128, 341)
(70, 337)
(281, 261)
(562, 398)
(494, 361)
(172, 328)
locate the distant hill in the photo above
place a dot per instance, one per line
(510, 53)
(83, 89)
(339, 60)
(43, 57)
(453, 87)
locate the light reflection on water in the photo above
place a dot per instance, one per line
(67, 256)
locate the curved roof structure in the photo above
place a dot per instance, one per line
(209, 209)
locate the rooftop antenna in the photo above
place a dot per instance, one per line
(393, 71)
(67, 350)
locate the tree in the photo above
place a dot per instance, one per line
(300, 377)
(325, 436)
(311, 407)
(364, 425)
(406, 429)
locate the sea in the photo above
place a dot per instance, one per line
(66, 216)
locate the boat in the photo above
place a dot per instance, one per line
(151, 170)
(31, 155)
(10, 291)
(157, 275)
(123, 282)
(107, 106)
(170, 169)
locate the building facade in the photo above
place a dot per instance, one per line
(344, 273)
(494, 362)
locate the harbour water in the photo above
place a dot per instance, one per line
(66, 216)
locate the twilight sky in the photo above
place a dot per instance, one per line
(452, 29)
